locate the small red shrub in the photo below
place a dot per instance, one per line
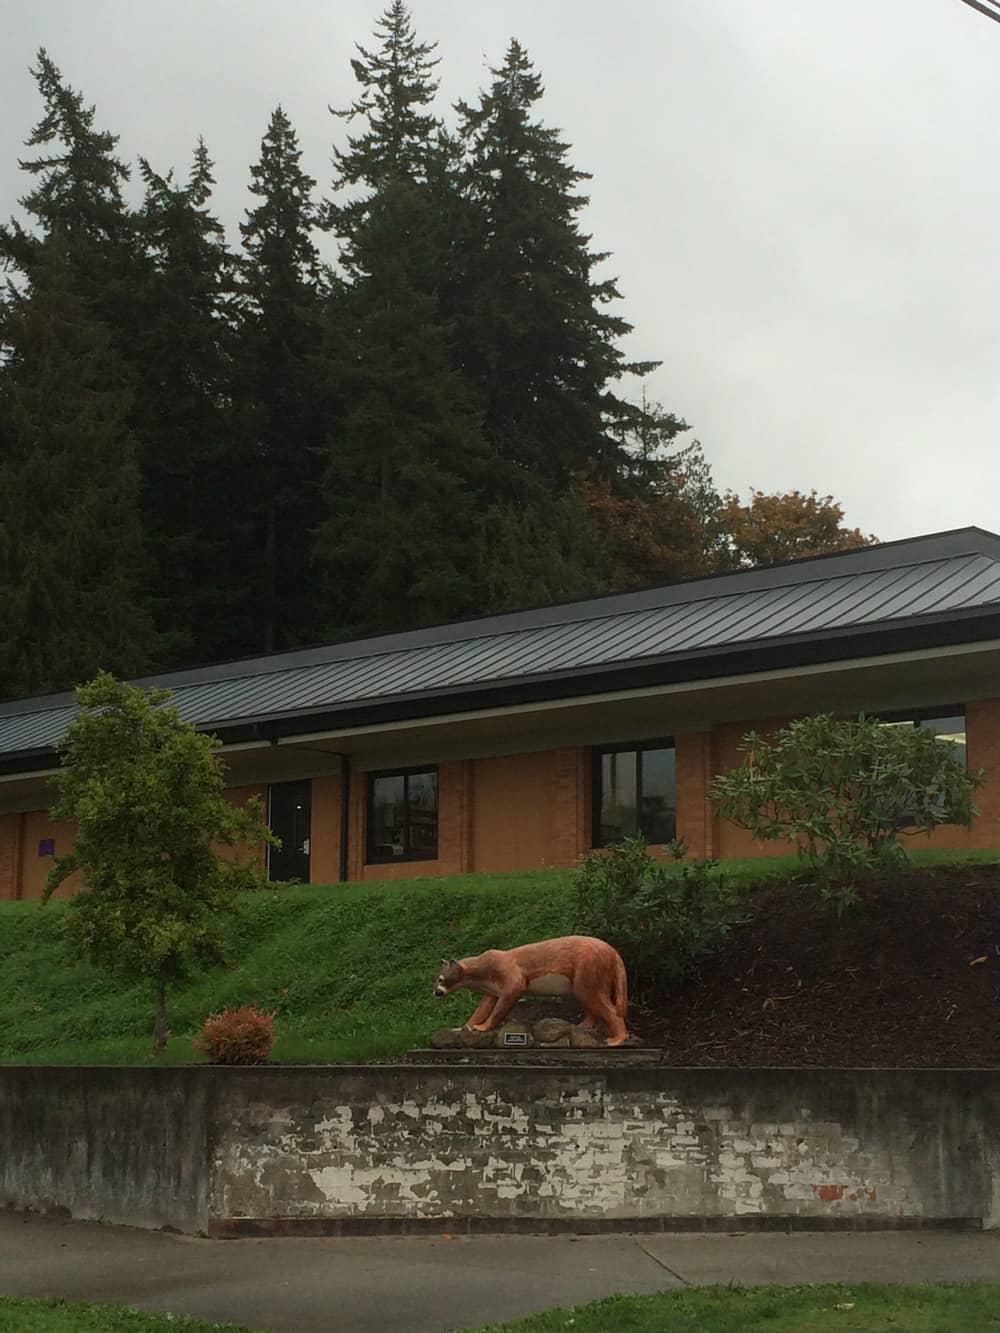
(241, 1036)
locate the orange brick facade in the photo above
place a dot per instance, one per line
(524, 811)
(10, 854)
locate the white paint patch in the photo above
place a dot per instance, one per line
(553, 983)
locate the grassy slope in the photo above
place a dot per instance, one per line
(24, 1316)
(346, 968)
(923, 1309)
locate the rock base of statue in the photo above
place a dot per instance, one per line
(543, 1034)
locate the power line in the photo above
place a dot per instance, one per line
(991, 8)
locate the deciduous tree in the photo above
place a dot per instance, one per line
(767, 528)
(145, 791)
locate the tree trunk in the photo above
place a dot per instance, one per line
(160, 1032)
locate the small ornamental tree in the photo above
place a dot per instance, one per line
(145, 791)
(844, 791)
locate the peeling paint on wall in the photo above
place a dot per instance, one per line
(566, 1146)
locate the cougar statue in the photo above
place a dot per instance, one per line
(572, 965)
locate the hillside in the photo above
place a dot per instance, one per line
(346, 969)
(911, 978)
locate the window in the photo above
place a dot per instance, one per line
(635, 792)
(289, 813)
(403, 815)
(946, 721)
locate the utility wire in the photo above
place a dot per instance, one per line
(988, 7)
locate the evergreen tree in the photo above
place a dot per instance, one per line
(406, 466)
(533, 331)
(398, 140)
(281, 387)
(77, 195)
(536, 555)
(70, 544)
(183, 418)
(408, 457)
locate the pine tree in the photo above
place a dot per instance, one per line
(533, 331)
(70, 544)
(535, 555)
(407, 460)
(281, 386)
(398, 141)
(77, 196)
(183, 366)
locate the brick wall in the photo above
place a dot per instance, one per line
(982, 721)
(10, 847)
(695, 816)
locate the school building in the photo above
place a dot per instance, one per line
(527, 739)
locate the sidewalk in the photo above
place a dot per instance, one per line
(386, 1285)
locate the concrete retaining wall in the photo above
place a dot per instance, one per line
(405, 1148)
(120, 1145)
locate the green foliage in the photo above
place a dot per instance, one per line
(844, 791)
(965, 1308)
(534, 334)
(409, 458)
(242, 1036)
(18, 1315)
(56, 1316)
(145, 791)
(282, 391)
(397, 141)
(428, 428)
(70, 540)
(660, 917)
(183, 415)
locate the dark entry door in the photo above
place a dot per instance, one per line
(290, 817)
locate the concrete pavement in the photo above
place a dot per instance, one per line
(425, 1285)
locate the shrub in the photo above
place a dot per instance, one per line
(844, 791)
(660, 917)
(241, 1036)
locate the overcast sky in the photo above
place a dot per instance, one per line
(801, 197)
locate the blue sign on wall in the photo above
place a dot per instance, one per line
(46, 847)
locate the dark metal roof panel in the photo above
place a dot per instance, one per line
(498, 651)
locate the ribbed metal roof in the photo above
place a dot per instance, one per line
(932, 576)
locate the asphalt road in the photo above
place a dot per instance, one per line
(428, 1285)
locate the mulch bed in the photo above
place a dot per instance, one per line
(909, 978)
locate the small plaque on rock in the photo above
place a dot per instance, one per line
(515, 1038)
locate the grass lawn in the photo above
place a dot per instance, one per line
(20, 1316)
(346, 969)
(941, 1309)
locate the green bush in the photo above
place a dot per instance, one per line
(844, 791)
(661, 917)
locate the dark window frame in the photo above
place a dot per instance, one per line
(597, 754)
(371, 858)
(916, 716)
